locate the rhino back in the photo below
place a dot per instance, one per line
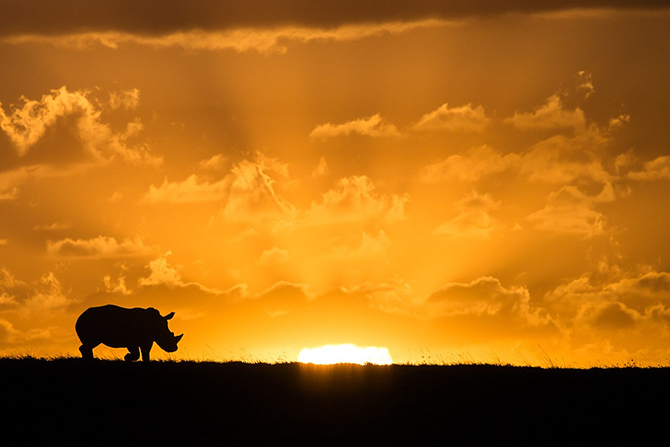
(115, 326)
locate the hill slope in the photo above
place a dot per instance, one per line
(239, 403)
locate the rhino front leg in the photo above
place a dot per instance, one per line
(86, 352)
(145, 352)
(133, 354)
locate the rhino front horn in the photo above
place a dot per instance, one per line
(169, 316)
(177, 338)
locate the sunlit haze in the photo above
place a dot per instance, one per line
(447, 180)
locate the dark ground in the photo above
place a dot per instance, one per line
(194, 403)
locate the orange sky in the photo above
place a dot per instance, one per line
(450, 181)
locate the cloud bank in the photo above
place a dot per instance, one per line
(155, 17)
(261, 25)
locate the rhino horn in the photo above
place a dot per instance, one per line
(169, 316)
(177, 338)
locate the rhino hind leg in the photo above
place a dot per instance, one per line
(133, 354)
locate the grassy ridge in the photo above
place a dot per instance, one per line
(242, 403)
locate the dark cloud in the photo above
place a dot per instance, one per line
(615, 316)
(156, 17)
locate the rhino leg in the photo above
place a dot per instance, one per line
(145, 352)
(133, 354)
(86, 352)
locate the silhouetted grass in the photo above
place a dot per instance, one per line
(238, 403)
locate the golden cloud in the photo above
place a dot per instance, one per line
(486, 296)
(561, 159)
(569, 211)
(63, 133)
(321, 169)
(552, 115)
(354, 199)
(214, 163)
(476, 163)
(657, 169)
(25, 300)
(455, 119)
(27, 124)
(557, 159)
(252, 195)
(118, 287)
(49, 295)
(9, 194)
(99, 247)
(162, 273)
(576, 219)
(370, 246)
(274, 256)
(561, 110)
(193, 189)
(373, 126)
(627, 303)
(248, 192)
(474, 219)
(273, 40)
(472, 223)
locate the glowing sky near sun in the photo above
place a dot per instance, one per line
(438, 178)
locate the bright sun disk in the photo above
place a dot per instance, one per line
(346, 353)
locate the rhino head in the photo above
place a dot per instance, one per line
(166, 338)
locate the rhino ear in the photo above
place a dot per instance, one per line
(169, 316)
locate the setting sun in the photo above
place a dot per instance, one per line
(347, 353)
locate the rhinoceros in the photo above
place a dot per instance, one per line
(118, 327)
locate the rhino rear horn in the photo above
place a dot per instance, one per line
(177, 338)
(169, 316)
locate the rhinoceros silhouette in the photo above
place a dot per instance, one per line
(118, 327)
